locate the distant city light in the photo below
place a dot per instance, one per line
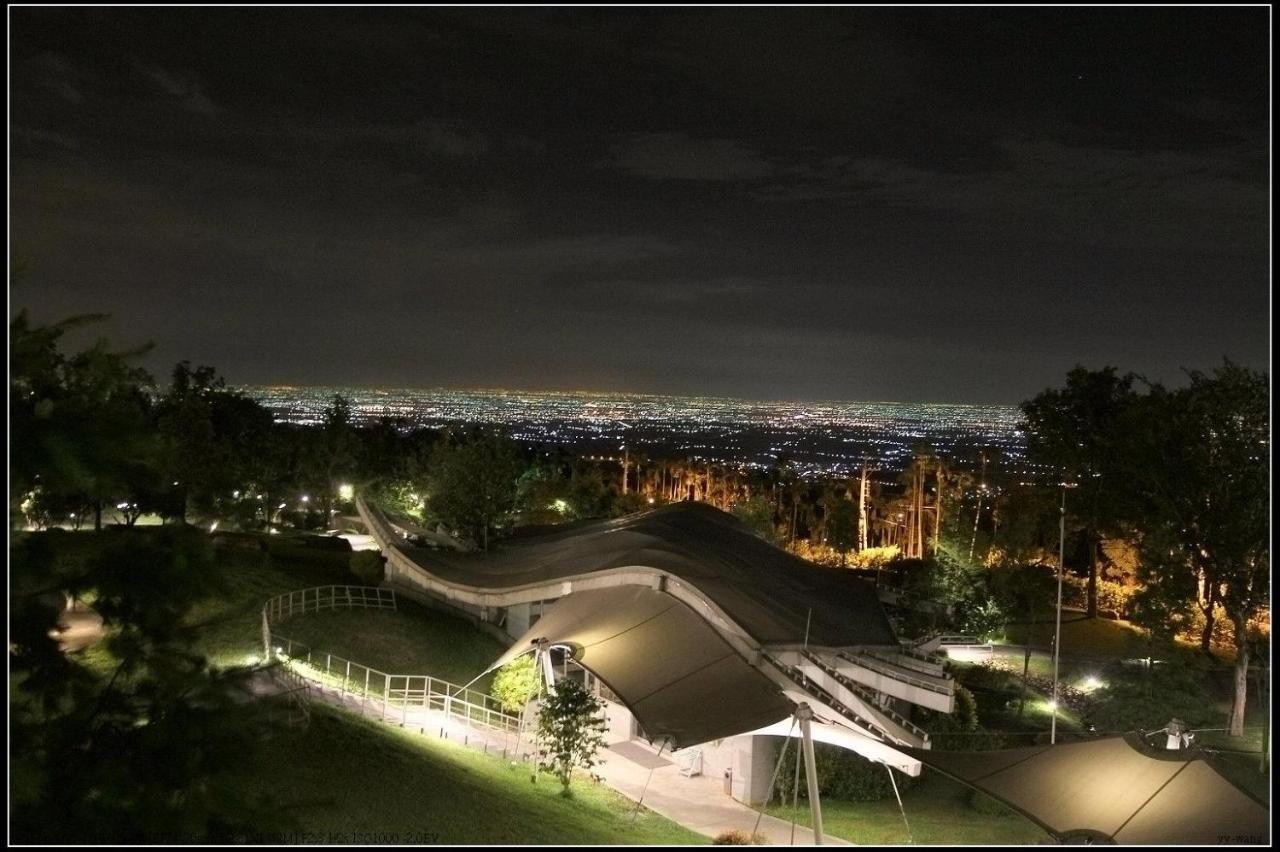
(821, 439)
(306, 499)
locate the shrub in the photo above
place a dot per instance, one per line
(841, 775)
(874, 557)
(983, 618)
(738, 837)
(516, 683)
(368, 566)
(312, 550)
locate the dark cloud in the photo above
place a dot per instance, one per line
(919, 204)
(676, 155)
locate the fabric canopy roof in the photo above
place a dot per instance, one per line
(1115, 789)
(675, 673)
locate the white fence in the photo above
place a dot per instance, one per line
(377, 691)
(283, 607)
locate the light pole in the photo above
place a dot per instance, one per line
(1057, 630)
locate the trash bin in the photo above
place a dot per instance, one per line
(728, 782)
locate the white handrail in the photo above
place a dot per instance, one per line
(397, 689)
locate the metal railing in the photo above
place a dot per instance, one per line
(797, 676)
(379, 690)
(283, 607)
(868, 697)
(908, 651)
(886, 668)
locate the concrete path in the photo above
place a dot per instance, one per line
(699, 803)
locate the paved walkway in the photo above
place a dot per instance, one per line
(699, 804)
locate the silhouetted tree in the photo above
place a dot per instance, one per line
(473, 483)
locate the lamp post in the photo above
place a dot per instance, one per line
(1057, 630)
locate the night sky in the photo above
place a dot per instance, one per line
(923, 205)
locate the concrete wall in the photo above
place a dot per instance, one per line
(517, 619)
(619, 721)
(749, 760)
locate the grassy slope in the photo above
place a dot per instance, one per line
(412, 640)
(343, 774)
(937, 808)
(1086, 637)
(229, 626)
(348, 775)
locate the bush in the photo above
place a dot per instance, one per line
(842, 774)
(983, 618)
(516, 683)
(874, 557)
(313, 550)
(738, 837)
(367, 566)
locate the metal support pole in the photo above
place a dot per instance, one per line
(795, 796)
(1057, 631)
(805, 714)
(544, 660)
(898, 796)
(645, 789)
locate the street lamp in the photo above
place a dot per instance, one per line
(1057, 630)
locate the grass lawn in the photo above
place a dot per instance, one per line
(352, 780)
(229, 624)
(937, 808)
(1086, 637)
(413, 639)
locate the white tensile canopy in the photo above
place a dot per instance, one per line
(677, 675)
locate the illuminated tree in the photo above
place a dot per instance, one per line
(757, 515)
(1198, 463)
(571, 728)
(1074, 430)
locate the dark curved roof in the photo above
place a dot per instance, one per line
(767, 591)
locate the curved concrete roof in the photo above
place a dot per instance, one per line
(768, 592)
